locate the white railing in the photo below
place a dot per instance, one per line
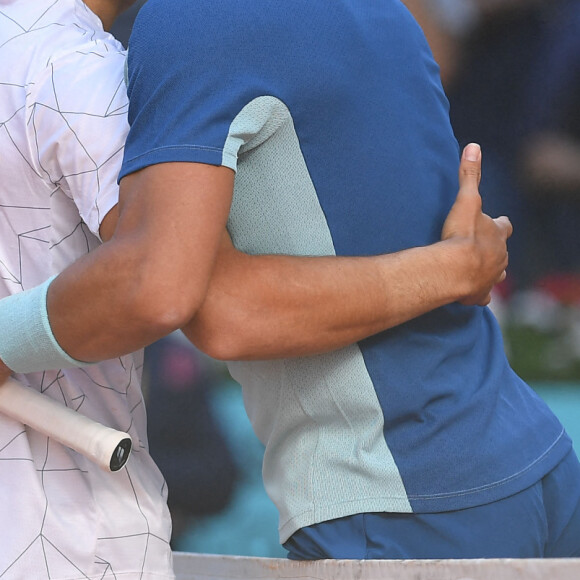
(216, 567)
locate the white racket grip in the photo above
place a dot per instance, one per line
(103, 445)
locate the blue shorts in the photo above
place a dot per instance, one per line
(542, 521)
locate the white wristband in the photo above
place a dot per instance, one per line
(26, 340)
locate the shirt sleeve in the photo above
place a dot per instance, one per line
(77, 129)
(187, 81)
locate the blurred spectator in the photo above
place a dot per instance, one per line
(482, 46)
(511, 69)
(486, 106)
(444, 23)
(185, 439)
(551, 151)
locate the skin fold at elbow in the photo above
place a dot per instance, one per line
(216, 337)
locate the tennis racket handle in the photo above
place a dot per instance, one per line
(107, 447)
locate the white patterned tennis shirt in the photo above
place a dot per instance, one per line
(63, 109)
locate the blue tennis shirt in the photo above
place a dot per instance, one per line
(332, 114)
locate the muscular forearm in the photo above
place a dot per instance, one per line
(151, 278)
(106, 305)
(262, 307)
(152, 275)
(274, 306)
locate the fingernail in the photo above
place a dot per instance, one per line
(473, 152)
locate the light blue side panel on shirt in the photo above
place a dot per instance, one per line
(326, 454)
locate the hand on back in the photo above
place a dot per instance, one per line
(484, 239)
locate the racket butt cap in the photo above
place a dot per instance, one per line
(120, 454)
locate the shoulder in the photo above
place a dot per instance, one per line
(83, 79)
(205, 31)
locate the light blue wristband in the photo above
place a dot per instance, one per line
(26, 340)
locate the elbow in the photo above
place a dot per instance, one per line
(222, 348)
(161, 309)
(218, 337)
(162, 320)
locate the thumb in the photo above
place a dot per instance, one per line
(470, 167)
(467, 205)
(469, 179)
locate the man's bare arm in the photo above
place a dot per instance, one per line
(275, 306)
(259, 306)
(152, 276)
